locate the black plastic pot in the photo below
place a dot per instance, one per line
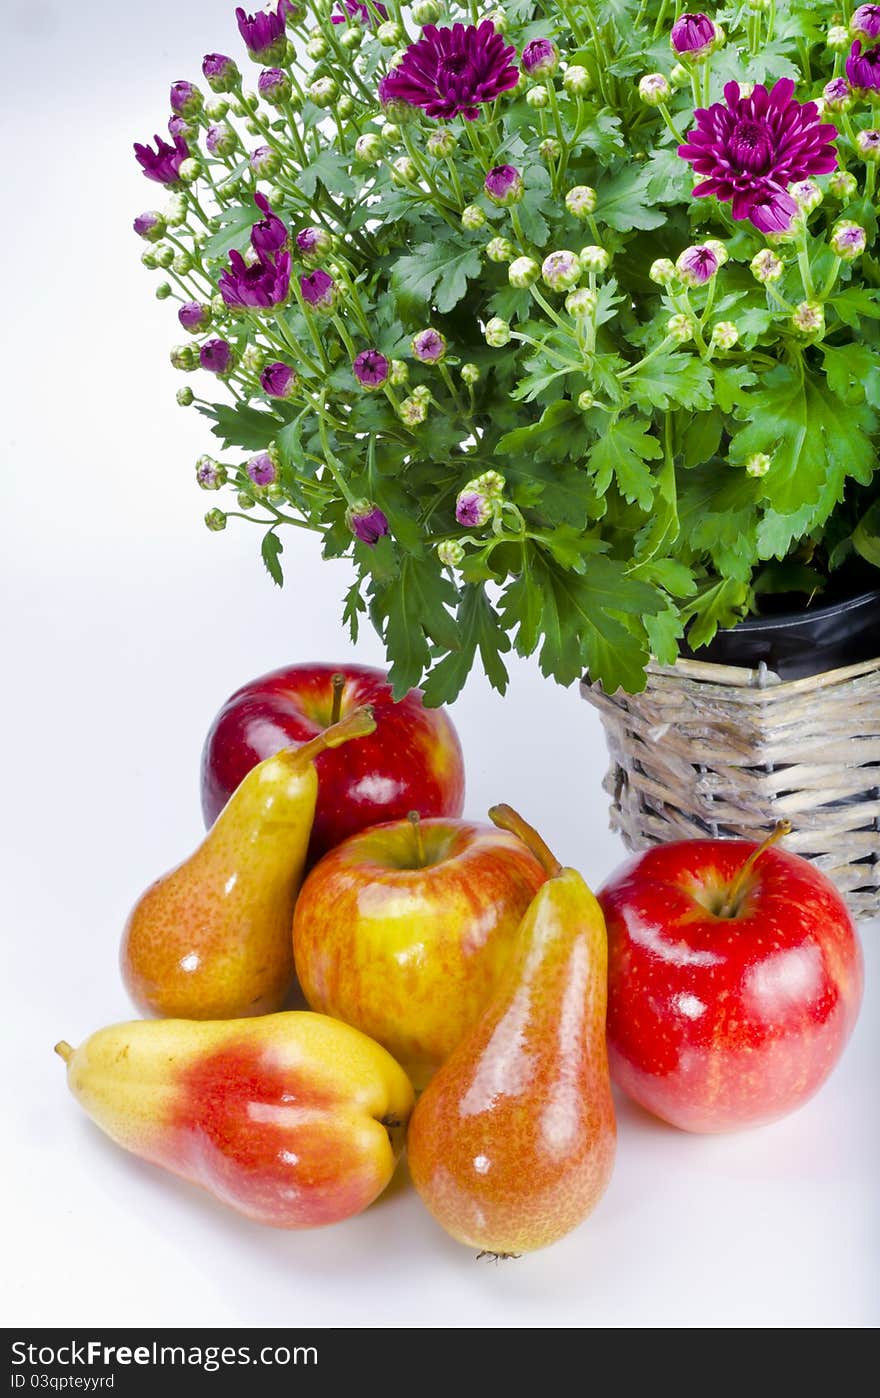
(797, 644)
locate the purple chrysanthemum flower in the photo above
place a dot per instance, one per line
(261, 469)
(313, 242)
(278, 380)
(371, 368)
(751, 149)
(262, 285)
(264, 33)
(220, 139)
(451, 71)
(162, 164)
(837, 94)
(319, 289)
(273, 84)
(473, 509)
(185, 98)
(697, 265)
(194, 316)
(220, 72)
(179, 126)
(692, 35)
(428, 346)
(866, 21)
(863, 68)
(504, 184)
(354, 9)
(367, 522)
(150, 225)
(540, 58)
(269, 234)
(217, 356)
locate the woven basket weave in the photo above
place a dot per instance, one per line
(717, 750)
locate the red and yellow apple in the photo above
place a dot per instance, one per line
(734, 981)
(292, 1119)
(405, 930)
(413, 761)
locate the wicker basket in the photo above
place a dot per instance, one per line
(717, 750)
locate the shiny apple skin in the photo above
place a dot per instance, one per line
(411, 956)
(413, 761)
(720, 1023)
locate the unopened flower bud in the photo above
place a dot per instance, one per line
(185, 358)
(720, 251)
(497, 332)
(413, 411)
(561, 270)
(581, 201)
(216, 108)
(246, 500)
(150, 226)
(442, 142)
(848, 241)
(163, 291)
(681, 328)
(389, 34)
(581, 302)
(809, 318)
(176, 210)
(399, 374)
(843, 185)
(164, 255)
(837, 95)
(313, 243)
(693, 37)
(185, 396)
(697, 265)
(209, 473)
(540, 58)
(806, 194)
(262, 470)
(725, 334)
(758, 464)
(450, 552)
(470, 374)
(593, 258)
(182, 262)
(323, 92)
(220, 73)
(404, 171)
(868, 144)
(500, 250)
(837, 38)
(421, 393)
(428, 346)
(662, 271)
(577, 80)
(504, 185)
(765, 266)
(523, 272)
(427, 12)
(586, 401)
(473, 508)
(215, 520)
(538, 98)
(550, 148)
(472, 217)
(679, 75)
(653, 89)
(218, 357)
(352, 37)
(194, 316)
(368, 147)
(148, 259)
(274, 86)
(316, 48)
(190, 170)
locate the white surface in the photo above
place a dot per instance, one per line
(125, 625)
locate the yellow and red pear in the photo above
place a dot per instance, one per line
(211, 939)
(293, 1119)
(512, 1143)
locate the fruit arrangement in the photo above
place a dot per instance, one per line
(445, 958)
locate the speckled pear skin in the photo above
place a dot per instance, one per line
(512, 1143)
(211, 939)
(293, 1119)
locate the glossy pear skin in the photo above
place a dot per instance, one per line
(512, 1143)
(211, 939)
(293, 1119)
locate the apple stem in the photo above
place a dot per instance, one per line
(63, 1049)
(506, 818)
(357, 724)
(415, 821)
(338, 683)
(730, 905)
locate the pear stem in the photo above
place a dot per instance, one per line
(415, 821)
(506, 818)
(730, 906)
(358, 724)
(63, 1049)
(338, 683)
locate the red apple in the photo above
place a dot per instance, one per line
(734, 981)
(412, 762)
(404, 931)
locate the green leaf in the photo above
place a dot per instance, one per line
(330, 169)
(731, 382)
(437, 273)
(853, 372)
(622, 453)
(413, 607)
(241, 426)
(354, 609)
(855, 302)
(623, 200)
(672, 378)
(235, 231)
(558, 433)
(721, 604)
(480, 631)
(271, 550)
(667, 177)
(866, 535)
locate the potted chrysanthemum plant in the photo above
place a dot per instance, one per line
(561, 321)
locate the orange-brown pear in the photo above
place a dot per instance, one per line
(211, 939)
(512, 1143)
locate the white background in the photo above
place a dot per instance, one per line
(125, 625)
